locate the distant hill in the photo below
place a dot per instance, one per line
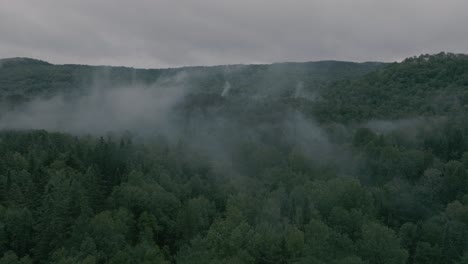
(23, 78)
(330, 91)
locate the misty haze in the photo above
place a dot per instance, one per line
(319, 132)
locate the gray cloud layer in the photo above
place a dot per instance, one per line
(163, 33)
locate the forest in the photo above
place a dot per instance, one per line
(321, 162)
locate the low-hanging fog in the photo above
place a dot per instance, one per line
(218, 128)
(98, 110)
(159, 109)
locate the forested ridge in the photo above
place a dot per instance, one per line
(326, 162)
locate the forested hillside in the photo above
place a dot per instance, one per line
(321, 162)
(425, 85)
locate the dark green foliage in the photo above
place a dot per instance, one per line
(261, 189)
(162, 206)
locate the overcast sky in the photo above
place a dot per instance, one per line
(168, 33)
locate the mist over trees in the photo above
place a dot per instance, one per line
(325, 162)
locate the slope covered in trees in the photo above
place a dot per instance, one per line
(424, 85)
(324, 162)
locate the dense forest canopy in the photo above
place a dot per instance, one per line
(320, 162)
